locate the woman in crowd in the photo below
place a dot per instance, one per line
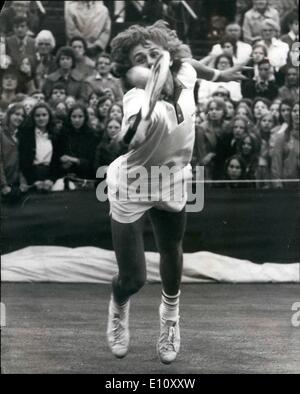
(115, 112)
(259, 53)
(103, 106)
(208, 135)
(234, 171)
(109, 148)
(37, 148)
(244, 110)
(93, 100)
(230, 109)
(229, 47)
(286, 153)
(275, 109)
(283, 121)
(260, 107)
(77, 145)
(227, 144)
(94, 124)
(11, 178)
(290, 89)
(248, 149)
(266, 124)
(9, 86)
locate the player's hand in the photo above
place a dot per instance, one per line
(235, 73)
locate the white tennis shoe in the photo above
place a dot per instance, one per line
(118, 329)
(169, 340)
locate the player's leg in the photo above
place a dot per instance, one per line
(129, 250)
(169, 230)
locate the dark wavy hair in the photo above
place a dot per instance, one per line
(287, 102)
(82, 107)
(231, 40)
(159, 33)
(30, 121)
(242, 164)
(289, 130)
(102, 101)
(81, 39)
(66, 51)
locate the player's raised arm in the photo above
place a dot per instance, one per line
(211, 74)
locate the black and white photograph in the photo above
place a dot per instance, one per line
(150, 190)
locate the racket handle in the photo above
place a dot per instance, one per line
(132, 130)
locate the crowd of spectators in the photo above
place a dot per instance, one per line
(61, 108)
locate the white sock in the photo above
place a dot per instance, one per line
(119, 309)
(169, 307)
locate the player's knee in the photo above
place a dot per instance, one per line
(173, 249)
(133, 285)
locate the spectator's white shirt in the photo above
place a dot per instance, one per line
(277, 53)
(44, 148)
(243, 52)
(207, 88)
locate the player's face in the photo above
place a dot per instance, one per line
(145, 55)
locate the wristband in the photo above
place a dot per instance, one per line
(217, 73)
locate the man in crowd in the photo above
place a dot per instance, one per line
(102, 79)
(293, 35)
(244, 50)
(20, 45)
(254, 18)
(277, 49)
(90, 20)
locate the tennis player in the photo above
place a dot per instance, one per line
(159, 135)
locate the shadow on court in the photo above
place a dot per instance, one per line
(60, 328)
